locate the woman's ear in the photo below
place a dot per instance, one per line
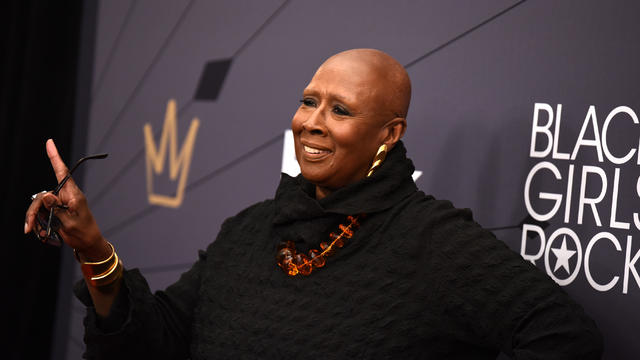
(394, 130)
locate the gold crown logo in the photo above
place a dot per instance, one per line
(178, 163)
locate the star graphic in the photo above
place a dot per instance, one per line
(563, 255)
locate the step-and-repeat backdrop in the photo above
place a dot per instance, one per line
(524, 111)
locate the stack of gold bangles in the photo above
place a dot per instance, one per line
(101, 273)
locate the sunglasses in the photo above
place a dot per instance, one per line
(47, 220)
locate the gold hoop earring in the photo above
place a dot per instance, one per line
(378, 159)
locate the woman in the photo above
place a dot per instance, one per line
(417, 279)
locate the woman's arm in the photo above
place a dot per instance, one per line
(502, 301)
(78, 228)
(141, 324)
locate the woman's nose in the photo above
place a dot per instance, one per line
(315, 123)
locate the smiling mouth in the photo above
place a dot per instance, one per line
(314, 151)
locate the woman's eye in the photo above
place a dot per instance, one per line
(308, 102)
(341, 111)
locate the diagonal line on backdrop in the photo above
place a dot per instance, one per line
(129, 164)
(150, 209)
(233, 163)
(467, 32)
(142, 80)
(130, 220)
(112, 51)
(94, 200)
(262, 27)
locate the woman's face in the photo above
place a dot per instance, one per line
(339, 125)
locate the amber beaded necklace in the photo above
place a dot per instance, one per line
(293, 262)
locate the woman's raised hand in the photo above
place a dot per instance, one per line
(78, 229)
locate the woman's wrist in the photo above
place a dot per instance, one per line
(103, 272)
(100, 250)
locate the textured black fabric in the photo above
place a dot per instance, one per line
(419, 279)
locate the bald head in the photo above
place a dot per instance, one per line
(356, 102)
(385, 76)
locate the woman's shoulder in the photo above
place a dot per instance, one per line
(438, 224)
(242, 229)
(432, 212)
(258, 212)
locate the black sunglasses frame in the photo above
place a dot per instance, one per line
(50, 222)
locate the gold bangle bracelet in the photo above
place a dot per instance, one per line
(113, 251)
(91, 269)
(104, 272)
(108, 278)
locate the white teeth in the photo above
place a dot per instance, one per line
(311, 150)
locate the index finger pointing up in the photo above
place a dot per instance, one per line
(58, 165)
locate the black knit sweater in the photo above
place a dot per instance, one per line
(419, 279)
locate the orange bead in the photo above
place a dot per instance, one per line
(303, 263)
(305, 269)
(283, 253)
(286, 244)
(330, 250)
(339, 242)
(289, 267)
(283, 263)
(346, 231)
(316, 259)
(323, 245)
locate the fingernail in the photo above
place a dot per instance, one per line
(26, 226)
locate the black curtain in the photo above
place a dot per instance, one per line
(38, 88)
